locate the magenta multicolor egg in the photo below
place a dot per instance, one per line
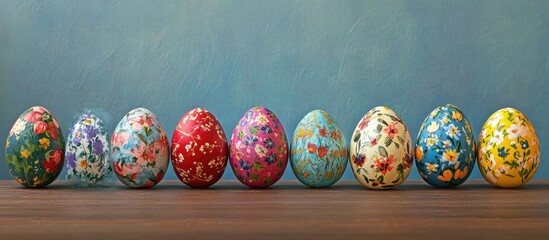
(35, 148)
(259, 148)
(140, 149)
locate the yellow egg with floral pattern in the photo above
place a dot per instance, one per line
(508, 154)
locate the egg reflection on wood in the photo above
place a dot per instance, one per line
(445, 147)
(318, 150)
(381, 150)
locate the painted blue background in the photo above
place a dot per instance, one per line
(344, 57)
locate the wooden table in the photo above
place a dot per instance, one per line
(230, 210)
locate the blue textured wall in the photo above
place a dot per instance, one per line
(345, 57)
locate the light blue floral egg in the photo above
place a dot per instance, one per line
(87, 152)
(445, 147)
(140, 149)
(318, 150)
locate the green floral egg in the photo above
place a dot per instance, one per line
(35, 148)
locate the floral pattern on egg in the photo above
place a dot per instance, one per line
(87, 152)
(445, 147)
(381, 150)
(509, 152)
(259, 148)
(35, 148)
(318, 150)
(140, 149)
(199, 149)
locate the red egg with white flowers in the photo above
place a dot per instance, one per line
(199, 149)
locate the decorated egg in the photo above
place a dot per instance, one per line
(381, 150)
(259, 148)
(509, 152)
(199, 149)
(445, 147)
(318, 150)
(140, 149)
(87, 152)
(35, 148)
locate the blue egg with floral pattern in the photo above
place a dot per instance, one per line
(318, 150)
(445, 147)
(87, 152)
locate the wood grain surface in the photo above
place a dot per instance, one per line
(230, 210)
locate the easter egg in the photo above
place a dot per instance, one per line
(35, 148)
(259, 148)
(509, 152)
(87, 152)
(318, 150)
(199, 149)
(381, 150)
(139, 147)
(445, 147)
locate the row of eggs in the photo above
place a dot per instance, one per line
(381, 153)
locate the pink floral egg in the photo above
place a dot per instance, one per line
(259, 148)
